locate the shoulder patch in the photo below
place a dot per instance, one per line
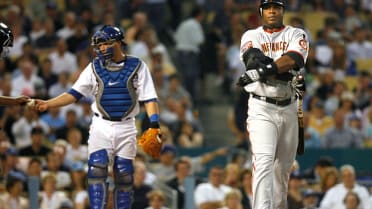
(303, 44)
(246, 46)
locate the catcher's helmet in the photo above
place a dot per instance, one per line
(267, 2)
(6, 39)
(106, 35)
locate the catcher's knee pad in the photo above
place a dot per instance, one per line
(123, 180)
(97, 175)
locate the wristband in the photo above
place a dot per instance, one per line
(154, 121)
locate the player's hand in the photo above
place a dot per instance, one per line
(21, 100)
(248, 77)
(267, 69)
(41, 105)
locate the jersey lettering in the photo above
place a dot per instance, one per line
(274, 47)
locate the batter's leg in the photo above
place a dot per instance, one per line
(97, 176)
(263, 149)
(285, 156)
(123, 179)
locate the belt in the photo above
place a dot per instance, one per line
(272, 100)
(111, 119)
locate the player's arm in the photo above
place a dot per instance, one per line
(296, 55)
(152, 110)
(4, 100)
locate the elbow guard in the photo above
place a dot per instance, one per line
(297, 58)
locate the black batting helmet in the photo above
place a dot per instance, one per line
(267, 2)
(6, 39)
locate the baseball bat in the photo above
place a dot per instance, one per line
(301, 138)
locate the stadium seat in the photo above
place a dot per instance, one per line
(364, 65)
(351, 82)
(314, 21)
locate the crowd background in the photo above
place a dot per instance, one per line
(182, 42)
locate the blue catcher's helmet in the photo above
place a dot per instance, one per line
(106, 35)
(6, 39)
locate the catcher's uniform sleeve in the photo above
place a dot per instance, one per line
(146, 89)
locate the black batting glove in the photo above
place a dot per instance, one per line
(267, 69)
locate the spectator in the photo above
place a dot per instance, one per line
(318, 120)
(27, 82)
(294, 192)
(34, 167)
(314, 174)
(71, 119)
(139, 22)
(341, 136)
(334, 197)
(37, 148)
(46, 43)
(140, 188)
(310, 199)
(164, 169)
(312, 138)
(329, 179)
(233, 200)
(54, 166)
(61, 86)
(352, 200)
(54, 120)
(157, 200)
(46, 73)
(75, 150)
(183, 170)
(10, 165)
(68, 29)
(79, 193)
(212, 193)
(62, 60)
(189, 36)
(79, 41)
(246, 188)
(360, 47)
(50, 198)
(66, 204)
(198, 162)
(13, 198)
(232, 171)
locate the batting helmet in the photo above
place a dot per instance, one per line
(267, 2)
(106, 35)
(6, 39)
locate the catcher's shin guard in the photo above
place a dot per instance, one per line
(123, 180)
(97, 176)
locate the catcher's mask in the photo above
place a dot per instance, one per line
(107, 35)
(6, 40)
(265, 3)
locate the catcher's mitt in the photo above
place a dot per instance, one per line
(151, 142)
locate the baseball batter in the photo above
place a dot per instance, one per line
(273, 54)
(118, 82)
(6, 41)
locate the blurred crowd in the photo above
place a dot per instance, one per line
(182, 42)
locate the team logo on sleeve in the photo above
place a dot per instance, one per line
(246, 46)
(303, 44)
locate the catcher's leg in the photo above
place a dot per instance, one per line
(123, 180)
(97, 176)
